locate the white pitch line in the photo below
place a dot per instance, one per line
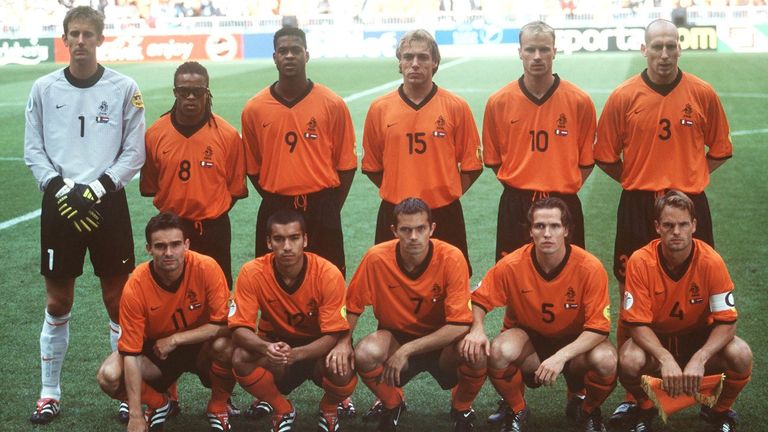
(749, 132)
(11, 159)
(19, 219)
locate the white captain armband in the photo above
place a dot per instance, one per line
(722, 302)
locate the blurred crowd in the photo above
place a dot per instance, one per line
(156, 12)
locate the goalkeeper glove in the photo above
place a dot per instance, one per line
(82, 197)
(89, 223)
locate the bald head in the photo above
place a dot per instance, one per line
(659, 27)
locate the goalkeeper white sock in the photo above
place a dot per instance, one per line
(54, 340)
(114, 334)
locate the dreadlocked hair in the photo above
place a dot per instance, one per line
(193, 67)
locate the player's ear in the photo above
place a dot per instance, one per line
(149, 248)
(432, 229)
(394, 230)
(644, 50)
(693, 226)
(657, 225)
(306, 57)
(304, 236)
(269, 243)
(186, 244)
(100, 40)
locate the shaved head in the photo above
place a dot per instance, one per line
(659, 26)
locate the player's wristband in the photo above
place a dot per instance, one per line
(102, 185)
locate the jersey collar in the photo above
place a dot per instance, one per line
(547, 95)
(676, 275)
(290, 103)
(419, 269)
(174, 286)
(84, 83)
(557, 270)
(188, 130)
(410, 103)
(662, 89)
(292, 288)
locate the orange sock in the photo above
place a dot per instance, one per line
(222, 384)
(151, 397)
(173, 392)
(389, 396)
(732, 386)
(261, 384)
(509, 383)
(335, 394)
(636, 390)
(470, 383)
(598, 389)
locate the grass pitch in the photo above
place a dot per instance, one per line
(737, 197)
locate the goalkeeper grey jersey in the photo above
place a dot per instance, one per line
(81, 129)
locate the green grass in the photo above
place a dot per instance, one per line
(737, 196)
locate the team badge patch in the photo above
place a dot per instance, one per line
(207, 161)
(687, 114)
(628, 300)
(607, 312)
(232, 309)
(439, 131)
(311, 132)
(30, 104)
(342, 312)
(137, 101)
(562, 124)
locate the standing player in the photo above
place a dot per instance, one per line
(419, 290)
(300, 149)
(421, 141)
(173, 317)
(300, 297)
(84, 141)
(538, 134)
(651, 137)
(195, 166)
(557, 321)
(680, 314)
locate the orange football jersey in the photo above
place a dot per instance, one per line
(421, 149)
(149, 312)
(661, 137)
(198, 177)
(418, 307)
(572, 299)
(315, 308)
(672, 306)
(298, 147)
(539, 144)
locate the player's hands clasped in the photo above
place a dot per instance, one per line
(692, 376)
(279, 354)
(672, 378)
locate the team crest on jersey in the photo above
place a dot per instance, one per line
(607, 312)
(570, 299)
(232, 308)
(207, 161)
(694, 294)
(343, 312)
(103, 111)
(192, 299)
(311, 132)
(628, 300)
(437, 293)
(136, 100)
(687, 114)
(439, 131)
(562, 125)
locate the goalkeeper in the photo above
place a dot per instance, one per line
(84, 141)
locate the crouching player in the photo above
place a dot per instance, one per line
(301, 297)
(557, 321)
(419, 290)
(679, 309)
(173, 316)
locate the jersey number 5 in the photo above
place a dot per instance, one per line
(546, 311)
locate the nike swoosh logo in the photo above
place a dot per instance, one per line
(391, 124)
(526, 291)
(154, 308)
(658, 293)
(637, 111)
(60, 106)
(125, 260)
(166, 151)
(266, 124)
(514, 121)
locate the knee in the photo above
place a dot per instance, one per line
(631, 359)
(221, 350)
(502, 353)
(242, 361)
(739, 355)
(109, 378)
(369, 353)
(604, 359)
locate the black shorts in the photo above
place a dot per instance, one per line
(323, 218)
(449, 226)
(635, 227)
(512, 227)
(185, 358)
(62, 248)
(545, 348)
(426, 362)
(683, 347)
(212, 237)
